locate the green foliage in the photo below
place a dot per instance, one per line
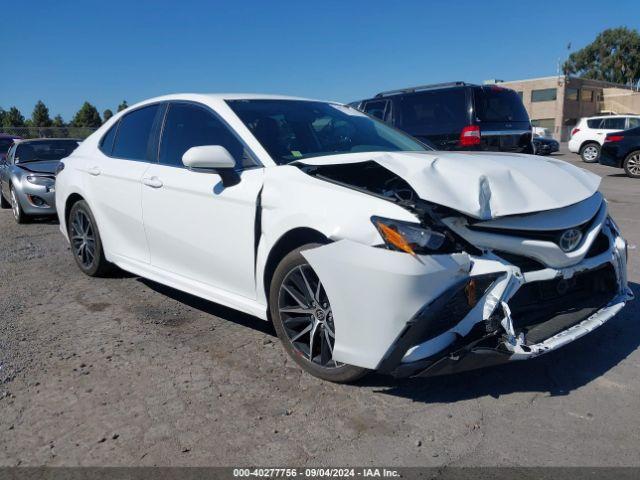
(87, 116)
(40, 115)
(106, 115)
(2, 115)
(57, 122)
(123, 105)
(613, 56)
(13, 118)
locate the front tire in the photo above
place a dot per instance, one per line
(590, 152)
(85, 241)
(18, 214)
(631, 164)
(302, 316)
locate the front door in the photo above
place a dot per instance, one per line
(198, 228)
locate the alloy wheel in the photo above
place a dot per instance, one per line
(633, 164)
(590, 153)
(306, 314)
(15, 206)
(83, 239)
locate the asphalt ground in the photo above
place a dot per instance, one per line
(123, 371)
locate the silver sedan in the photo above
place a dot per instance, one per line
(27, 176)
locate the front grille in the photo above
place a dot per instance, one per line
(542, 309)
(525, 264)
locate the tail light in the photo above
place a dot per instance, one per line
(613, 138)
(470, 136)
(574, 131)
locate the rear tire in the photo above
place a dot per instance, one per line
(85, 241)
(590, 152)
(631, 164)
(306, 333)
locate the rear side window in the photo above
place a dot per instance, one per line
(594, 123)
(188, 125)
(106, 144)
(495, 104)
(434, 112)
(377, 108)
(134, 134)
(613, 123)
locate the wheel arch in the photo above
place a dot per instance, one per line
(69, 203)
(587, 142)
(289, 241)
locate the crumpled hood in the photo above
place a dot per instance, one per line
(40, 167)
(483, 185)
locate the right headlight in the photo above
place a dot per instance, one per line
(413, 238)
(41, 180)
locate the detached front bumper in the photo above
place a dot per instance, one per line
(439, 314)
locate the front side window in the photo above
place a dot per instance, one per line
(544, 95)
(188, 125)
(634, 122)
(291, 130)
(106, 144)
(134, 133)
(44, 150)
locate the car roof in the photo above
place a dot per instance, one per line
(33, 140)
(622, 115)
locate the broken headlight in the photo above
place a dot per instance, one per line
(414, 238)
(41, 180)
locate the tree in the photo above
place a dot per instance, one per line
(123, 105)
(87, 116)
(613, 56)
(2, 115)
(40, 115)
(57, 122)
(106, 115)
(13, 118)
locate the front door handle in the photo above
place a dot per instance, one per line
(95, 171)
(153, 182)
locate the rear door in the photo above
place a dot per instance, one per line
(503, 120)
(608, 125)
(113, 178)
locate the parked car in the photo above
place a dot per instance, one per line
(622, 150)
(588, 135)
(545, 145)
(365, 248)
(456, 116)
(5, 144)
(27, 176)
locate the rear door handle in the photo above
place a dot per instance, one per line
(153, 182)
(95, 171)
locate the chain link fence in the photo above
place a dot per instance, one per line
(48, 132)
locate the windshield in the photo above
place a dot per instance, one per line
(44, 150)
(291, 130)
(496, 104)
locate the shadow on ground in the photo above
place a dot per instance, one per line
(211, 308)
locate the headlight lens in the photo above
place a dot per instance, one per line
(42, 181)
(407, 237)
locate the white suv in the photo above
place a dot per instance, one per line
(588, 135)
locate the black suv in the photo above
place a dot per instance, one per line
(456, 116)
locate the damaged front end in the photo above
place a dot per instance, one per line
(497, 291)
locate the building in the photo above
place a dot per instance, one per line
(557, 103)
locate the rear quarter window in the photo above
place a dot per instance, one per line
(594, 123)
(434, 112)
(132, 140)
(495, 104)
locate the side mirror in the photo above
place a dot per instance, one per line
(208, 157)
(212, 158)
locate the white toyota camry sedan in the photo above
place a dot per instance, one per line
(365, 248)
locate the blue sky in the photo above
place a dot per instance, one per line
(67, 52)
